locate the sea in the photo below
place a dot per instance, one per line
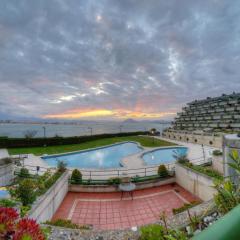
(19, 130)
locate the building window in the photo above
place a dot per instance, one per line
(195, 140)
(210, 142)
(187, 139)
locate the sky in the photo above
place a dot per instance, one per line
(115, 59)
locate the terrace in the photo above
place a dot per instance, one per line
(97, 205)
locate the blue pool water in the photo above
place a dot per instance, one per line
(163, 156)
(4, 194)
(106, 157)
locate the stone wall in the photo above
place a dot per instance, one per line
(196, 183)
(45, 206)
(209, 140)
(6, 174)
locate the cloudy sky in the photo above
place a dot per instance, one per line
(112, 59)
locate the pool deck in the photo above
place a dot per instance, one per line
(3, 153)
(108, 211)
(195, 153)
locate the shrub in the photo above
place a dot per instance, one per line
(7, 203)
(76, 176)
(185, 207)
(65, 223)
(162, 171)
(30, 134)
(152, 232)
(24, 210)
(114, 181)
(50, 181)
(28, 229)
(24, 173)
(39, 142)
(61, 166)
(217, 153)
(158, 232)
(26, 191)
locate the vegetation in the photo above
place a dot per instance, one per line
(76, 176)
(62, 166)
(205, 170)
(145, 141)
(185, 207)
(54, 141)
(158, 232)
(30, 134)
(26, 191)
(7, 203)
(162, 171)
(217, 153)
(65, 223)
(114, 181)
(228, 192)
(24, 173)
(13, 227)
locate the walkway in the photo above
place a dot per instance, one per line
(3, 153)
(108, 211)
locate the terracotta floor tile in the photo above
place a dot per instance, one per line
(145, 208)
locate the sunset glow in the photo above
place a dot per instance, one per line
(77, 114)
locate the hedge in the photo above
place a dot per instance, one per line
(53, 141)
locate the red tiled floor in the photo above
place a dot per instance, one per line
(108, 211)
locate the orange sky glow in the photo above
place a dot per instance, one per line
(76, 114)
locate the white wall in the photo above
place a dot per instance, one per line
(6, 174)
(196, 183)
(216, 141)
(217, 163)
(45, 206)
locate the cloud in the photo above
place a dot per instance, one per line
(133, 58)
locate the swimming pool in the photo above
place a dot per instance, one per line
(104, 157)
(4, 193)
(163, 156)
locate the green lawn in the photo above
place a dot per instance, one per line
(144, 141)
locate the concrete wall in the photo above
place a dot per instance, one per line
(45, 206)
(101, 188)
(196, 183)
(209, 140)
(217, 163)
(6, 174)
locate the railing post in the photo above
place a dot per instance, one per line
(90, 175)
(118, 172)
(145, 172)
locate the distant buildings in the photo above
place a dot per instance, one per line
(211, 114)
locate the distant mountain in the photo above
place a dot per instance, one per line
(130, 120)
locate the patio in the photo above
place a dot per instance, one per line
(108, 211)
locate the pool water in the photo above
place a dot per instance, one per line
(105, 157)
(163, 156)
(4, 193)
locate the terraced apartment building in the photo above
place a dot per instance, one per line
(211, 114)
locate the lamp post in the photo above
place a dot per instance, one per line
(44, 131)
(91, 129)
(120, 128)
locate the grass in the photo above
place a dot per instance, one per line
(145, 141)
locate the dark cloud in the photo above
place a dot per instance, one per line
(135, 55)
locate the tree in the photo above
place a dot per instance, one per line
(30, 134)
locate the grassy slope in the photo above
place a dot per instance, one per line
(144, 141)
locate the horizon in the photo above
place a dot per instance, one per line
(114, 60)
